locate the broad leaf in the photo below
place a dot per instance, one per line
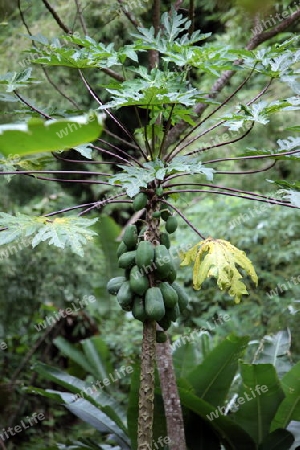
(63, 232)
(278, 440)
(289, 409)
(275, 350)
(17, 80)
(218, 259)
(234, 437)
(88, 391)
(259, 397)
(39, 136)
(211, 380)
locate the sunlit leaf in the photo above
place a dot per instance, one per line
(219, 259)
(37, 135)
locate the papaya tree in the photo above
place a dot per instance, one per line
(167, 154)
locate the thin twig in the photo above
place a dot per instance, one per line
(107, 152)
(221, 122)
(222, 143)
(246, 172)
(112, 116)
(65, 172)
(62, 211)
(33, 108)
(81, 18)
(56, 17)
(224, 79)
(244, 158)
(102, 203)
(182, 215)
(58, 89)
(129, 16)
(115, 136)
(227, 100)
(214, 186)
(207, 191)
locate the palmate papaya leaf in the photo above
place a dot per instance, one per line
(133, 178)
(153, 88)
(219, 259)
(62, 232)
(37, 135)
(17, 80)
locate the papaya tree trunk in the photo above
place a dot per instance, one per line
(147, 385)
(148, 355)
(172, 406)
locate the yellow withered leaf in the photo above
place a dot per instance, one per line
(220, 259)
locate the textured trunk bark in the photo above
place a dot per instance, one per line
(173, 412)
(147, 383)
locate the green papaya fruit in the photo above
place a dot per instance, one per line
(161, 337)
(154, 304)
(113, 286)
(144, 254)
(169, 294)
(126, 261)
(164, 265)
(165, 240)
(171, 224)
(138, 309)
(130, 237)
(140, 201)
(183, 299)
(139, 282)
(125, 296)
(121, 249)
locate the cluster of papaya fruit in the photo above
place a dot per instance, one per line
(161, 300)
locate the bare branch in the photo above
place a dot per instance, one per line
(56, 17)
(224, 79)
(81, 18)
(213, 127)
(237, 158)
(112, 116)
(182, 215)
(207, 191)
(223, 143)
(247, 172)
(129, 15)
(104, 202)
(58, 89)
(227, 100)
(33, 108)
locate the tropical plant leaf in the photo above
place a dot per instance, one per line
(17, 80)
(96, 396)
(218, 259)
(275, 350)
(233, 436)
(289, 410)
(39, 136)
(211, 380)
(259, 398)
(278, 440)
(189, 165)
(61, 232)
